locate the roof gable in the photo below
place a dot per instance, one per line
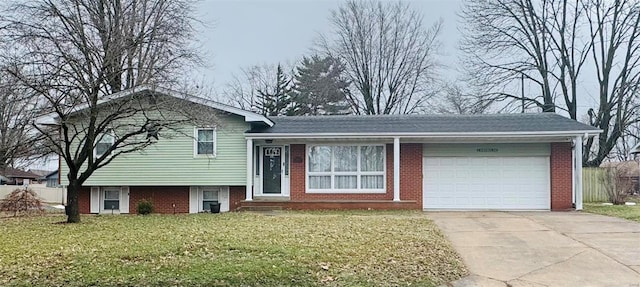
(249, 117)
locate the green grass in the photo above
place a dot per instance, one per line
(630, 212)
(232, 249)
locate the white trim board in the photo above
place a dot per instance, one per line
(50, 119)
(477, 135)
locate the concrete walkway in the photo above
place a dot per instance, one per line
(543, 248)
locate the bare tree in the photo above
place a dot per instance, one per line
(453, 99)
(616, 55)
(506, 41)
(18, 108)
(78, 54)
(550, 44)
(389, 55)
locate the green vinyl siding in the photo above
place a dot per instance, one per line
(171, 161)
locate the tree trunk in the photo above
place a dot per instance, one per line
(73, 209)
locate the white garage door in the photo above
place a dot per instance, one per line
(506, 183)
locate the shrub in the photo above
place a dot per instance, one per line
(145, 207)
(616, 186)
(21, 200)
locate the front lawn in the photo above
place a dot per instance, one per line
(232, 249)
(630, 212)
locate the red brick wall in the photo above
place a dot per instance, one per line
(84, 200)
(410, 176)
(163, 197)
(561, 176)
(296, 171)
(236, 195)
(411, 172)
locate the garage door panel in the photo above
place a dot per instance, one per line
(486, 183)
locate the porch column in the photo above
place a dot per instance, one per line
(396, 169)
(573, 176)
(249, 187)
(578, 172)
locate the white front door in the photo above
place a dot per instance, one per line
(501, 183)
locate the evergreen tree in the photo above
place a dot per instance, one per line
(275, 100)
(320, 87)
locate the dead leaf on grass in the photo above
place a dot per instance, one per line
(324, 266)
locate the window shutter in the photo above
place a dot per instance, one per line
(223, 198)
(94, 201)
(124, 199)
(193, 200)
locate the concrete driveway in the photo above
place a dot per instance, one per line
(543, 248)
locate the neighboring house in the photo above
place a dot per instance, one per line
(12, 176)
(245, 160)
(52, 179)
(40, 173)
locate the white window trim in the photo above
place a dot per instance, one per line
(200, 191)
(196, 198)
(357, 173)
(195, 142)
(103, 192)
(284, 164)
(100, 136)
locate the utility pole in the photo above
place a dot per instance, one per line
(522, 90)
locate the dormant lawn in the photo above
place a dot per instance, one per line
(233, 249)
(630, 212)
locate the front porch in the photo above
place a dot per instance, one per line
(329, 173)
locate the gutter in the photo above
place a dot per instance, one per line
(586, 134)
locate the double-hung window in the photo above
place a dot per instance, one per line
(346, 168)
(205, 142)
(111, 198)
(209, 196)
(104, 142)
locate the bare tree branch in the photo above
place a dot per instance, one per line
(77, 54)
(388, 54)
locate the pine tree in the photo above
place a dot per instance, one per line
(276, 100)
(320, 87)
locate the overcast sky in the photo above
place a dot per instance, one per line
(252, 32)
(242, 33)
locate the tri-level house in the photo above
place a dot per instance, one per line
(244, 160)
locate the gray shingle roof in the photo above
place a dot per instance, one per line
(540, 122)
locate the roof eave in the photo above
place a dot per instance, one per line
(51, 119)
(588, 133)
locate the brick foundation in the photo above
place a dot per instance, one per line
(561, 176)
(163, 198)
(236, 195)
(329, 204)
(84, 200)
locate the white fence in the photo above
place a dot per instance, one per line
(47, 194)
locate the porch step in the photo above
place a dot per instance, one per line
(270, 205)
(259, 208)
(271, 198)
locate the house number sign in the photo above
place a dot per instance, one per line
(487, 150)
(272, 151)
